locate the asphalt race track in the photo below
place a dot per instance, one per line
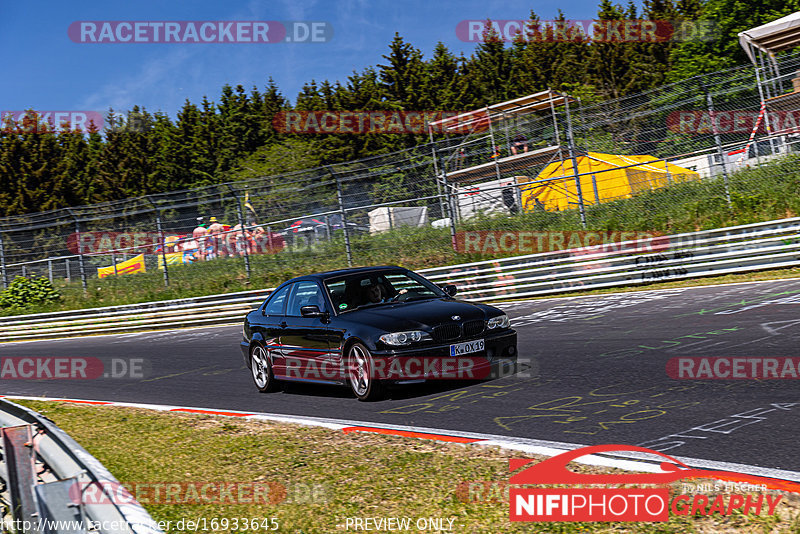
(595, 373)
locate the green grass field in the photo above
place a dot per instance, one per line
(327, 476)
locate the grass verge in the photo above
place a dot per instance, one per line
(354, 475)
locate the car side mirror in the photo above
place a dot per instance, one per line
(312, 310)
(450, 289)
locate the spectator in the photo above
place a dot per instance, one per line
(256, 241)
(199, 236)
(520, 144)
(461, 158)
(237, 240)
(215, 239)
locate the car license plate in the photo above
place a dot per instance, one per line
(469, 347)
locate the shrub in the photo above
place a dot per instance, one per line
(23, 292)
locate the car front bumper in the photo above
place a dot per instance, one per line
(436, 363)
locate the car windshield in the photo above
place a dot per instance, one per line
(374, 288)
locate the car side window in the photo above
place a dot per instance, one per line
(305, 294)
(276, 301)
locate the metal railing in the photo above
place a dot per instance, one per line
(737, 249)
(45, 473)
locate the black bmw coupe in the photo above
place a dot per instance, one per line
(370, 326)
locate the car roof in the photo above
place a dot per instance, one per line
(344, 272)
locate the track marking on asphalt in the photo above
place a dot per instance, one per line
(177, 374)
(629, 461)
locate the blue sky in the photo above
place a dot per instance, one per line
(43, 69)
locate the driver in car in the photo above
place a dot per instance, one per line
(375, 293)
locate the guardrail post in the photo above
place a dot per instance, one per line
(163, 241)
(240, 216)
(717, 140)
(19, 460)
(571, 147)
(340, 198)
(80, 249)
(3, 272)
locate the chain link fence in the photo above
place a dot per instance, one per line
(551, 162)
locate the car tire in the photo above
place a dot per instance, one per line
(361, 374)
(261, 369)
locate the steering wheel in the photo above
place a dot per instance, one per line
(400, 296)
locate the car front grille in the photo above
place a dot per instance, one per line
(473, 328)
(446, 332)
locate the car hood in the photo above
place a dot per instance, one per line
(399, 316)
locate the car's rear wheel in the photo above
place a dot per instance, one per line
(261, 367)
(361, 373)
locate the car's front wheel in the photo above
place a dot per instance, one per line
(261, 366)
(361, 374)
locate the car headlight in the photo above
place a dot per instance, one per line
(501, 321)
(404, 338)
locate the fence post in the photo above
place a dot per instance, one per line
(50, 269)
(240, 215)
(80, 249)
(340, 198)
(163, 241)
(69, 274)
(717, 140)
(3, 263)
(571, 147)
(450, 208)
(669, 174)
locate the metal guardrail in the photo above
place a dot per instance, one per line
(751, 247)
(45, 472)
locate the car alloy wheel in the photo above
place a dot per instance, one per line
(261, 367)
(360, 369)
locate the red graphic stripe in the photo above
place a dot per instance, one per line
(409, 434)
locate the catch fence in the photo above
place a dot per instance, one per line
(547, 162)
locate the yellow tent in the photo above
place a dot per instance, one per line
(604, 177)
